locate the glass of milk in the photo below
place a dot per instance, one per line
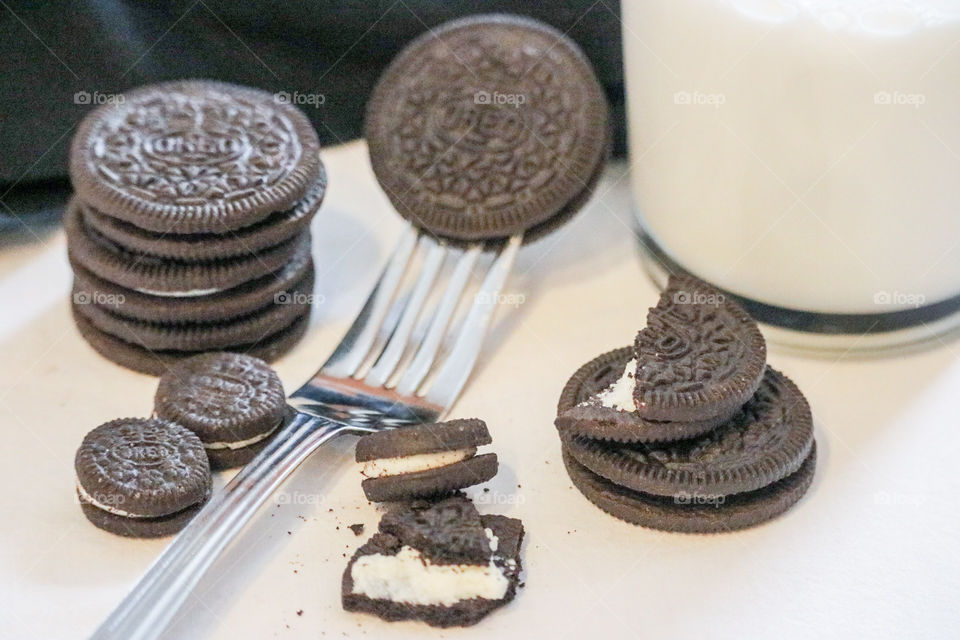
(804, 156)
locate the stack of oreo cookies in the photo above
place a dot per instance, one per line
(688, 429)
(190, 228)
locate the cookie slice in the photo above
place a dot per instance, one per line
(390, 576)
(141, 477)
(248, 298)
(700, 355)
(693, 512)
(768, 439)
(184, 336)
(275, 229)
(597, 402)
(194, 156)
(133, 356)
(486, 126)
(163, 276)
(426, 460)
(232, 401)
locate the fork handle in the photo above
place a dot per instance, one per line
(148, 608)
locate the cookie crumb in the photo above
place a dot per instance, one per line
(357, 528)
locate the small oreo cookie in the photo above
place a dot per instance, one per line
(163, 276)
(699, 357)
(597, 402)
(486, 127)
(233, 402)
(155, 363)
(194, 156)
(273, 230)
(426, 460)
(141, 477)
(445, 565)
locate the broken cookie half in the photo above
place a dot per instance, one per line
(441, 562)
(424, 461)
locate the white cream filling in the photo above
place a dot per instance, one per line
(101, 505)
(619, 395)
(411, 578)
(239, 444)
(179, 294)
(382, 467)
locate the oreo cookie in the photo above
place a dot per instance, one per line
(136, 357)
(233, 402)
(486, 127)
(158, 336)
(426, 460)
(597, 402)
(699, 357)
(444, 564)
(768, 439)
(273, 230)
(250, 297)
(194, 156)
(163, 276)
(141, 477)
(693, 512)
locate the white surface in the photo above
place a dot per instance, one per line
(870, 552)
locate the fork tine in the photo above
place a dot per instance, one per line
(456, 369)
(423, 360)
(353, 349)
(381, 371)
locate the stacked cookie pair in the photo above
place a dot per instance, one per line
(190, 228)
(688, 429)
(147, 477)
(434, 557)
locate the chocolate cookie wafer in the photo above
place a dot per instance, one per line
(597, 402)
(165, 276)
(486, 126)
(700, 355)
(226, 305)
(233, 402)
(426, 460)
(141, 477)
(273, 230)
(194, 156)
(136, 357)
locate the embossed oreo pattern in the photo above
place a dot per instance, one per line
(700, 354)
(222, 397)
(765, 441)
(194, 156)
(146, 467)
(487, 126)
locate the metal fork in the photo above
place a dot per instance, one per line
(406, 382)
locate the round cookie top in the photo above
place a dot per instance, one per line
(700, 355)
(222, 397)
(194, 156)
(486, 127)
(768, 439)
(142, 467)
